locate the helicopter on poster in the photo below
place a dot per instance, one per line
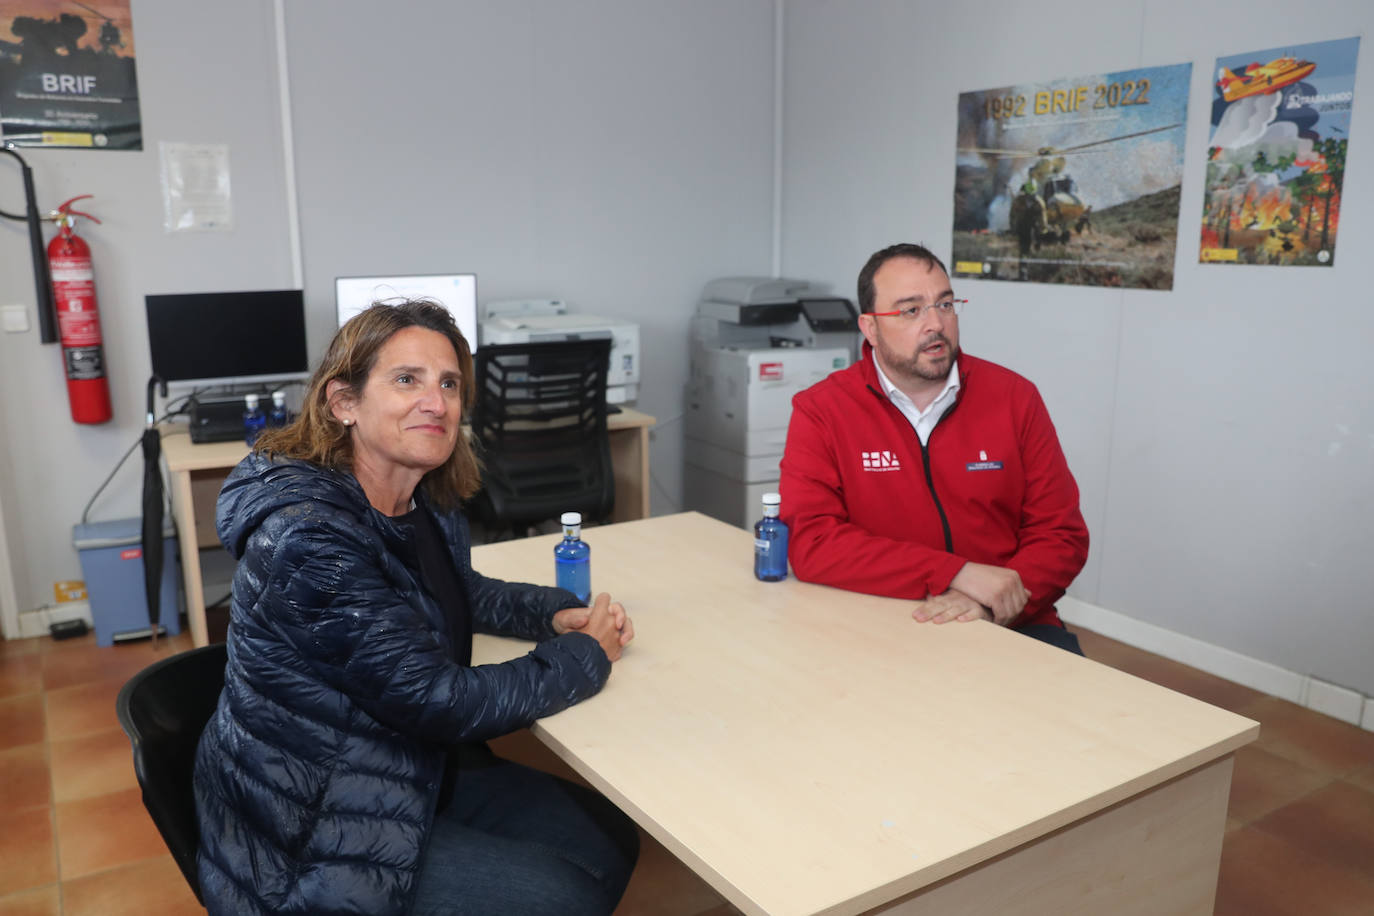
(1048, 206)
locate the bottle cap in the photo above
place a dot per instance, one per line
(279, 397)
(772, 499)
(571, 518)
(250, 401)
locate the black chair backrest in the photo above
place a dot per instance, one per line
(163, 709)
(540, 424)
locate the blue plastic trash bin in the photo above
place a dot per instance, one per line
(112, 562)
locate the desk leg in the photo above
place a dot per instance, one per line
(630, 464)
(183, 509)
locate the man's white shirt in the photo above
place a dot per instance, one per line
(923, 421)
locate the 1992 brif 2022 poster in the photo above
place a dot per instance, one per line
(1072, 181)
(1276, 158)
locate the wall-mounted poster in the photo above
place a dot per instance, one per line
(67, 74)
(1072, 181)
(1276, 160)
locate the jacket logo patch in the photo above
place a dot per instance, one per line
(880, 461)
(983, 464)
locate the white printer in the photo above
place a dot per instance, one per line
(538, 320)
(756, 341)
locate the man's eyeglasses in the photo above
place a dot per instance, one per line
(915, 312)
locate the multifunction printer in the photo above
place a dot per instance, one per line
(755, 342)
(507, 321)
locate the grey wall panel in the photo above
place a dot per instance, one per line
(207, 78)
(614, 154)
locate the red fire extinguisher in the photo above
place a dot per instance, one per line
(78, 320)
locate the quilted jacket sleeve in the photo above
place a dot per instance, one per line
(515, 608)
(341, 601)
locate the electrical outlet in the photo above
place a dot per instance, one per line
(14, 318)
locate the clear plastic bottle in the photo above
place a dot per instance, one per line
(572, 559)
(253, 419)
(278, 416)
(770, 542)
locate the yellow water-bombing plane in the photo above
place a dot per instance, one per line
(1257, 79)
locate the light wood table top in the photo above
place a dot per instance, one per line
(811, 750)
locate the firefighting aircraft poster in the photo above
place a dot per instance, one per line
(67, 74)
(1276, 159)
(1072, 181)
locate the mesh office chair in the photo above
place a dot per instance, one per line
(540, 425)
(163, 709)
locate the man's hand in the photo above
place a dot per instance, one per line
(952, 605)
(605, 621)
(996, 587)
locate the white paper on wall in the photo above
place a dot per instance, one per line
(195, 187)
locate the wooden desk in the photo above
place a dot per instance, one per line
(808, 750)
(197, 471)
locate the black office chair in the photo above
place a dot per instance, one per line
(163, 709)
(540, 426)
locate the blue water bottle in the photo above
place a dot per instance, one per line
(253, 419)
(572, 559)
(770, 542)
(278, 416)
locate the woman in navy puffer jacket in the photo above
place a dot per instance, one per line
(343, 771)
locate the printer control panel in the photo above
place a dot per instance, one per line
(829, 315)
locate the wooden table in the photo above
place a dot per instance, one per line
(808, 750)
(196, 473)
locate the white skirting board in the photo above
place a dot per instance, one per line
(36, 622)
(1330, 699)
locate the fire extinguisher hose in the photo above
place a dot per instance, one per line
(42, 279)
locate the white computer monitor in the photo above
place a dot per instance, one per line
(456, 292)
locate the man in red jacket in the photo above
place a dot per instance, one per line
(922, 472)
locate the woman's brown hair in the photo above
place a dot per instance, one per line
(318, 437)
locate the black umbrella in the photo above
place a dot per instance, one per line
(152, 511)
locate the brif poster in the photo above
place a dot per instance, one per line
(1276, 159)
(1072, 181)
(67, 74)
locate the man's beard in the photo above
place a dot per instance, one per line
(916, 367)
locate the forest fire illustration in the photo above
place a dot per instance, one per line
(1276, 163)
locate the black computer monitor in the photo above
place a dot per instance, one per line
(222, 339)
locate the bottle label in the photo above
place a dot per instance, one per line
(761, 545)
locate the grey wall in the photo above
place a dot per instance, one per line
(613, 153)
(204, 77)
(1222, 433)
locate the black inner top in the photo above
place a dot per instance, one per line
(440, 579)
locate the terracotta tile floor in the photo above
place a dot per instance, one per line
(74, 838)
